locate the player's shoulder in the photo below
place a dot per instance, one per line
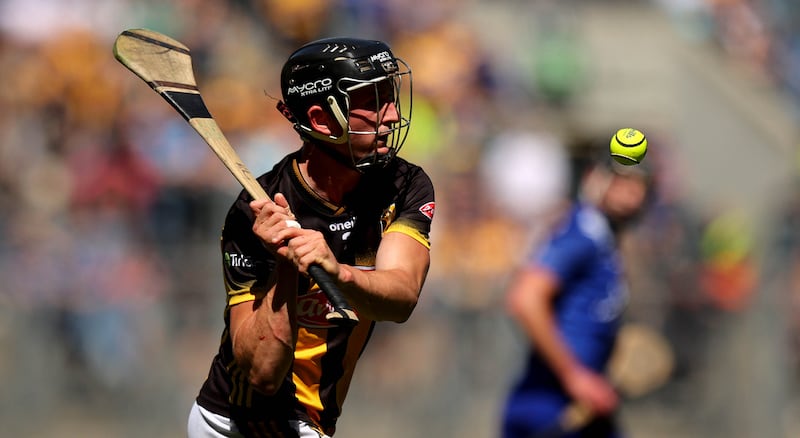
(269, 180)
(279, 170)
(592, 224)
(403, 166)
(407, 173)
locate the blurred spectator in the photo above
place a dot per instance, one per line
(111, 315)
(727, 270)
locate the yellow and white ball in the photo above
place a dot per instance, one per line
(628, 146)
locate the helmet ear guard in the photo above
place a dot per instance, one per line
(306, 131)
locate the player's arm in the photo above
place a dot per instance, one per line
(391, 291)
(530, 302)
(387, 293)
(264, 330)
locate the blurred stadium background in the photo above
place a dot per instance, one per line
(111, 299)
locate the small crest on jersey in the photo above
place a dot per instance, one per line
(387, 217)
(427, 209)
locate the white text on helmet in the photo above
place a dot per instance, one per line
(313, 87)
(383, 56)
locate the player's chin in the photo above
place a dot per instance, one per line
(624, 217)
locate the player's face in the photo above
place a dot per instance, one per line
(625, 197)
(373, 113)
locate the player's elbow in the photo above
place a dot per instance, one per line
(516, 301)
(264, 378)
(265, 371)
(404, 310)
(265, 383)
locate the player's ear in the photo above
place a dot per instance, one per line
(323, 122)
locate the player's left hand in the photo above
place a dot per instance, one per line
(308, 247)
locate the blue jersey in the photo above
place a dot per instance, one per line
(583, 256)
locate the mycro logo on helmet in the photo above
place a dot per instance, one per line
(313, 87)
(383, 56)
(386, 61)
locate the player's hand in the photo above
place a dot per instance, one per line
(273, 222)
(591, 390)
(308, 247)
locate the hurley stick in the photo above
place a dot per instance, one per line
(166, 66)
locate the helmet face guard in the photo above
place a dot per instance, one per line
(328, 72)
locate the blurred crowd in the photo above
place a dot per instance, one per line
(111, 286)
(762, 34)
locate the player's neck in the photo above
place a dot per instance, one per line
(330, 179)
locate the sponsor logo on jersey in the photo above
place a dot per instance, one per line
(238, 260)
(312, 308)
(345, 226)
(612, 306)
(342, 226)
(427, 209)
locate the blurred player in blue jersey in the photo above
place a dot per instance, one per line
(568, 298)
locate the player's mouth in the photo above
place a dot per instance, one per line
(380, 143)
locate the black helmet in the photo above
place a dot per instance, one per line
(324, 72)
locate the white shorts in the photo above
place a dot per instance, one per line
(206, 424)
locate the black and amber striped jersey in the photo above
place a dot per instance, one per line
(398, 198)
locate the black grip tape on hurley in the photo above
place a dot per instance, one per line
(189, 105)
(342, 313)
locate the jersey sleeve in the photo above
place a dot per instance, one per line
(246, 263)
(414, 214)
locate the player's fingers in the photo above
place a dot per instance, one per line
(287, 231)
(313, 250)
(269, 213)
(604, 402)
(279, 199)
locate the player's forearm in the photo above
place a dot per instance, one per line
(263, 353)
(530, 304)
(381, 295)
(264, 342)
(543, 331)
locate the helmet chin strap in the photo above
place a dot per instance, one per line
(374, 161)
(364, 165)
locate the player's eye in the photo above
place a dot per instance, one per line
(373, 97)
